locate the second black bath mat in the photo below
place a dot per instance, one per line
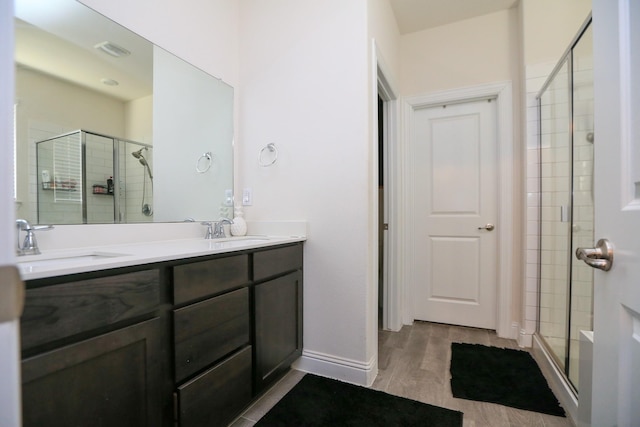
(504, 376)
(323, 402)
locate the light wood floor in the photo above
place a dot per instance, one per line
(414, 363)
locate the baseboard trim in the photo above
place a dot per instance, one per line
(525, 340)
(347, 370)
(556, 379)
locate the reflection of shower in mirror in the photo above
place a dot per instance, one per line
(146, 208)
(138, 155)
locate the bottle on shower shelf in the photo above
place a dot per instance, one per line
(110, 185)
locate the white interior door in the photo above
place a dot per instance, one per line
(455, 206)
(616, 358)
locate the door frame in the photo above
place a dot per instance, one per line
(393, 280)
(502, 93)
(10, 388)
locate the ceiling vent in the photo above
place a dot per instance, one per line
(112, 49)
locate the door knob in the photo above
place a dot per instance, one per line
(600, 257)
(487, 227)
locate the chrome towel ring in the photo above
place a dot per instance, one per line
(268, 155)
(208, 160)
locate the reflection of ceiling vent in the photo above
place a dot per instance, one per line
(112, 49)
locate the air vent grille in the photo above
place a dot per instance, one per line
(112, 49)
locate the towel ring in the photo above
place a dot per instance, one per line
(209, 160)
(271, 148)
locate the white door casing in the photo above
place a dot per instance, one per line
(393, 256)
(10, 396)
(616, 355)
(456, 183)
(504, 231)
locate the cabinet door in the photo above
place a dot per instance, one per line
(278, 326)
(110, 380)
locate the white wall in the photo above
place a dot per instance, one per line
(384, 29)
(304, 68)
(549, 26)
(464, 53)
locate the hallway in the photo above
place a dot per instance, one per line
(414, 363)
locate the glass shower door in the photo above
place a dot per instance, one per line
(566, 205)
(555, 202)
(581, 299)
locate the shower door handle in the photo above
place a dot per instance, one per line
(600, 257)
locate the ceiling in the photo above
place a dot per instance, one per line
(36, 49)
(57, 37)
(418, 15)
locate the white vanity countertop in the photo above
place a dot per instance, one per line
(70, 261)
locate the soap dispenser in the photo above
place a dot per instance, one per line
(239, 226)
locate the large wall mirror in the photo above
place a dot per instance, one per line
(112, 129)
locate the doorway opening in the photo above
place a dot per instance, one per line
(387, 175)
(382, 224)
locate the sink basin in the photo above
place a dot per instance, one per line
(234, 243)
(37, 261)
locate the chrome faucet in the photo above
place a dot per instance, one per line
(29, 245)
(215, 229)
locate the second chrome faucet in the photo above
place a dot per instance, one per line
(215, 229)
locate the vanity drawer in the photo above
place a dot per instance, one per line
(63, 310)
(276, 261)
(207, 331)
(201, 279)
(217, 396)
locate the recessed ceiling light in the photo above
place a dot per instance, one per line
(112, 49)
(110, 82)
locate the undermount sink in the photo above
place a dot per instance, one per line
(235, 242)
(35, 261)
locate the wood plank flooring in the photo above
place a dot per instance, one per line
(414, 363)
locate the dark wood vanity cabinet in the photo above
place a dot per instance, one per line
(277, 312)
(278, 316)
(92, 352)
(212, 338)
(187, 343)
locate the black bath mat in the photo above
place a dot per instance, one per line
(503, 376)
(317, 401)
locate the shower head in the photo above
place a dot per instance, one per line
(143, 161)
(138, 154)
